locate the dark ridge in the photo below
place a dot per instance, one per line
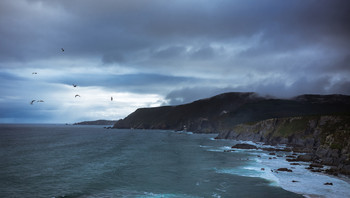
(97, 122)
(222, 112)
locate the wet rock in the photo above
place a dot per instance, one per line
(294, 164)
(244, 146)
(272, 153)
(291, 160)
(328, 183)
(262, 169)
(304, 158)
(314, 165)
(294, 181)
(284, 169)
(332, 171)
(291, 156)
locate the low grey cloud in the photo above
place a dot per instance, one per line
(182, 50)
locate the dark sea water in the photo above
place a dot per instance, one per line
(90, 161)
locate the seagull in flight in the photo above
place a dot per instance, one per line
(32, 102)
(34, 73)
(62, 49)
(111, 98)
(74, 85)
(76, 95)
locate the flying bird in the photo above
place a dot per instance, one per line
(34, 73)
(111, 98)
(74, 85)
(76, 95)
(62, 49)
(40, 101)
(32, 102)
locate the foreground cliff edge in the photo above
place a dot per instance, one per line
(326, 139)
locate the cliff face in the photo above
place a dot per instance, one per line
(224, 111)
(327, 138)
(198, 116)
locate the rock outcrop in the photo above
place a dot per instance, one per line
(325, 138)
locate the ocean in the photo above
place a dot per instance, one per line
(90, 161)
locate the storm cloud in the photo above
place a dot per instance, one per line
(173, 52)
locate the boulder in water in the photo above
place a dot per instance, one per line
(244, 146)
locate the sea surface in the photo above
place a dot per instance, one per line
(90, 161)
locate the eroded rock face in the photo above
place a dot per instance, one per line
(325, 138)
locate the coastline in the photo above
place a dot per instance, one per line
(299, 179)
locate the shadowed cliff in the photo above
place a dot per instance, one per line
(224, 111)
(326, 138)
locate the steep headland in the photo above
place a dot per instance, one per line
(315, 124)
(224, 111)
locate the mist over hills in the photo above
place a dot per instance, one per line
(224, 111)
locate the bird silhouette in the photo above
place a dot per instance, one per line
(34, 73)
(76, 95)
(40, 101)
(32, 102)
(74, 85)
(111, 98)
(62, 49)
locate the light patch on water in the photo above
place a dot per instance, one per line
(156, 195)
(218, 149)
(252, 171)
(203, 146)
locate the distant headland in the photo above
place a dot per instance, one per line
(97, 122)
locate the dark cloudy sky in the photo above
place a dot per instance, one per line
(156, 52)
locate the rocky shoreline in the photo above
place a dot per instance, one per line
(270, 163)
(323, 141)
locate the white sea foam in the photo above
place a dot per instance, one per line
(150, 194)
(305, 182)
(202, 146)
(308, 183)
(217, 149)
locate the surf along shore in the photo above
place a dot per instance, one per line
(287, 169)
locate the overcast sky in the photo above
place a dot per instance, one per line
(157, 52)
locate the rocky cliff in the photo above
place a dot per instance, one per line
(326, 138)
(224, 111)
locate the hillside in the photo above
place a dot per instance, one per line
(224, 111)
